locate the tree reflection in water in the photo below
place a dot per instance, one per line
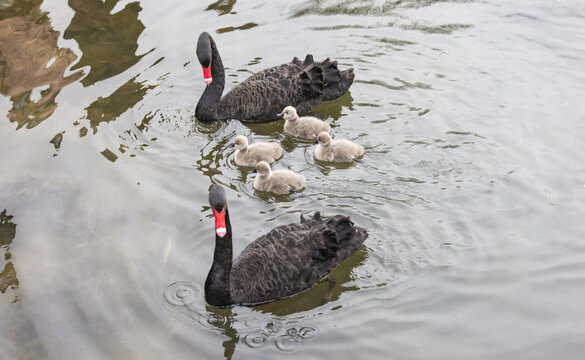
(29, 59)
(8, 278)
(107, 40)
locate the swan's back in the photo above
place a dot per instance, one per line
(292, 258)
(302, 84)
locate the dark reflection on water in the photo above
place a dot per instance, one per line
(110, 108)
(335, 109)
(30, 59)
(284, 323)
(223, 7)
(8, 279)
(246, 26)
(107, 40)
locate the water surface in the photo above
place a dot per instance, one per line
(472, 186)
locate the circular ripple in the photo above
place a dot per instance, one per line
(292, 325)
(251, 322)
(286, 342)
(307, 332)
(182, 293)
(255, 340)
(216, 320)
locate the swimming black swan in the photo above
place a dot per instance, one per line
(302, 84)
(287, 260)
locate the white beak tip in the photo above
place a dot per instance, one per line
(220, 232)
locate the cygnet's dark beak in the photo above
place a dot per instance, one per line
(280, 114)
(255, 171)
(316, 142)
(232, 145)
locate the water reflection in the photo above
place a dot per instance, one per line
(246, 26)
(223, 7)
(239, 325)
(110, 108)
(8, 278)
(335, 108)
(283, 323)
(30, 59)
(108, 40)
(364, 7)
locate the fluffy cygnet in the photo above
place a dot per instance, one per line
(249, 155)
(336, 151)
(306, 127)
(280, 181)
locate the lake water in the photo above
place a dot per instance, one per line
(472, 188)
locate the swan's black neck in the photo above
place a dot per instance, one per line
(217, 285)
(208, 106)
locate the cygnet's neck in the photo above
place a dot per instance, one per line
(266, 174)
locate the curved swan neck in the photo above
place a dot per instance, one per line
(217, 285)
(208, 105)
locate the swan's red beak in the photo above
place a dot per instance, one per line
(207, 74)
(220, 228)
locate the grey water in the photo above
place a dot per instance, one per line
(472, 187)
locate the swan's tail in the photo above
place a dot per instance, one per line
(324, 80)
(342, 237)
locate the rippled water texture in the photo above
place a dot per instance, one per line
(472, 186)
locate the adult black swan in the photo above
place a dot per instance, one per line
(302, 84)
(287, 260)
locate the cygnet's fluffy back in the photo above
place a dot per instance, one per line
(336, 150)
(249, 155)
(278, 181)
(306, 127)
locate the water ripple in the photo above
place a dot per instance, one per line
(254, 331)
(182, 293)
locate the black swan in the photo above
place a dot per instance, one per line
(287, 260)
(302, 84)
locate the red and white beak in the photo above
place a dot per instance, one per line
(220, 228)
(207, 74)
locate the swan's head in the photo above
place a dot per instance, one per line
(217, 200)
(324, 139)
(289, 113)
(262, 168)
(204, 56)
(240, 142)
